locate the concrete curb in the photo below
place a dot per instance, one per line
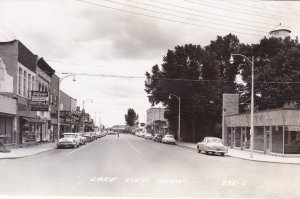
(176, 144)
(241, 158)
(23, 156)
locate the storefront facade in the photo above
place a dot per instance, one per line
(275, 131)
(8, 111)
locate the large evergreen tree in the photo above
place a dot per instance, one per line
(131, 118)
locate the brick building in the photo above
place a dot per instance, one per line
(23, 72)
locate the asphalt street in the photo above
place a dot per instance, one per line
(130, 166)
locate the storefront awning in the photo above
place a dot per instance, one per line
(33, 120)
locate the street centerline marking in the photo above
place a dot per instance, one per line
(133, 147)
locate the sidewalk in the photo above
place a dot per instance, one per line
(236, 153)
(27, 151)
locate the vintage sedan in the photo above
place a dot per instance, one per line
(148, 136)
(82, 139)
(69, 140)
(157, 137)
(168, 139)
(212, 145)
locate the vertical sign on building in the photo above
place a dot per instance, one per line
(39, 101)
(230, 107)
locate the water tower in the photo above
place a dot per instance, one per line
(280, 32)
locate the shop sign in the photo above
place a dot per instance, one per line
(39, 96)
(230, 104)
(39, 106)
(39, 101)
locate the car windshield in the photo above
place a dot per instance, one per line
(214, 140)
(69, 135)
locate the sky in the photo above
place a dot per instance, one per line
(117, 41)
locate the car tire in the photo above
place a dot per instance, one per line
(222, 154)
(199, 151)
(206, 152)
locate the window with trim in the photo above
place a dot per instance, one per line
(29, 86)
(24, 83)
(33, 85)
(20, 82)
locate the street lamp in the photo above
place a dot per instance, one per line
(178, 114)
(252, 98)
(58, 103)
(91, 100)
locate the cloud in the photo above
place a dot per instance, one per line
(125, 36)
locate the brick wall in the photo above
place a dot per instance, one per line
(8, 105)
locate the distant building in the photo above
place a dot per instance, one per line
(156, 122)
(69, 114)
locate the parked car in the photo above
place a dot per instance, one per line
(142, 134)
(212, 145)
(157, 137)
(148, 136)
(168, 139)
(82, 139)
(69, 140)
(88, 137)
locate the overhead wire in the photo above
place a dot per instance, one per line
(236, 10)
(182, 17)
(166, 79)
(213, 13)
(258, 8)
(248, 12)
(170, 20)
(202, 16)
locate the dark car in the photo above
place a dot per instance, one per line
(157, 137)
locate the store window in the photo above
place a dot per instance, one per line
(259, 138)
(20, 82)
(33, 85)
(29, 86)
(24, 83)
(292, 141)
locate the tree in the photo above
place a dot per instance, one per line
(131, 118)
(276, 60)
(196, 75)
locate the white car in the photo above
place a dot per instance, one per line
(212, 145)
(69, 140)
(82, 139)
(168, 139)
(148, 136)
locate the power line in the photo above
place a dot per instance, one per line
(8, 30)
(263, 3)
(179, 79)
(237, 11)
(215, 14)
(193, 19)
(166, 19)
(259, 8)
(202, 16)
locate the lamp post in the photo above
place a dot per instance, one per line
(178, 97)
(252, 99)
(58, 103)
(91, 100)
